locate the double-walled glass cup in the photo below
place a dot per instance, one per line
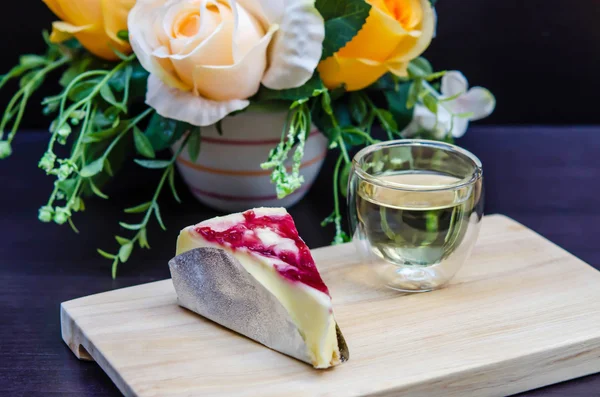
(415, 209)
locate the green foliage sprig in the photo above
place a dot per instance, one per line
(31, 71)
(149, 208)
(93, 118)
(347, 119)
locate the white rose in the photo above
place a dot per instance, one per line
(207, 57)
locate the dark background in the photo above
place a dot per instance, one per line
(541, 58)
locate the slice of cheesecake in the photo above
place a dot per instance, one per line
(265, 275)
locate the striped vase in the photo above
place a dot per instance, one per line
(227, 174)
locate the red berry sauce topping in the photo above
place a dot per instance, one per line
(301, 264)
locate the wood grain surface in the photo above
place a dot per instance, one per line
(522, 313)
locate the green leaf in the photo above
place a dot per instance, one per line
(78, 204)
(292, 94)
(125, 252)
(153, 164)
(353, 136)
(32, 78)
(396, 104)
(358, 108)
(118, 53)
(93, 168)
(113, 270)
(67, 186)
(123, 34)
(414, 93)
(435, 76)
(130, 226)
(138, 83)
(138, 208)
(30, 61)
(421, 66)
(107, 119)
(105, 254)
(329, 220)
(219, 126)
(15, 72)
(344, 176)
(163, 132)
(193, 144)
(69, 75)
(109, 97)
(172, 184)
(158, 217)
(143, 238)
(122, 240)
(108, 167)
(120, 79)
(324, 123)
(97, 191)
(105, 134)
(343, 20)
(142, 144)
(451, 98)
(82, 89)
(386, 119)
(326, 103)
(430, 103)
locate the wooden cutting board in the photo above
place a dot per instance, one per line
(522, 313)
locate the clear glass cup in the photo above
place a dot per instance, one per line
(415, 209)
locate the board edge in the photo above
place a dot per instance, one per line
(85, 350)
(578, 358)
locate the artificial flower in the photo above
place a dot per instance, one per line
(94, 23)
(395, 33)
(207, 57)
(458, 105)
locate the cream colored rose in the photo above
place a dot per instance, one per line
(207, 57)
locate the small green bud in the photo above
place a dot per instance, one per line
(5, 149)
(47, 161)
(64, 172)
(64, 131)
(62, 215)
(77, 115)
(45, 213)
(50, 108)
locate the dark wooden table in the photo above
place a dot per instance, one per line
(545, 177)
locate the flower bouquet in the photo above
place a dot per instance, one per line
(140, 77)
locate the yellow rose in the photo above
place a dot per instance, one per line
(207, 57)
(396, 32)
(94, 23)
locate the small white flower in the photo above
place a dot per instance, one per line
(453, 115)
